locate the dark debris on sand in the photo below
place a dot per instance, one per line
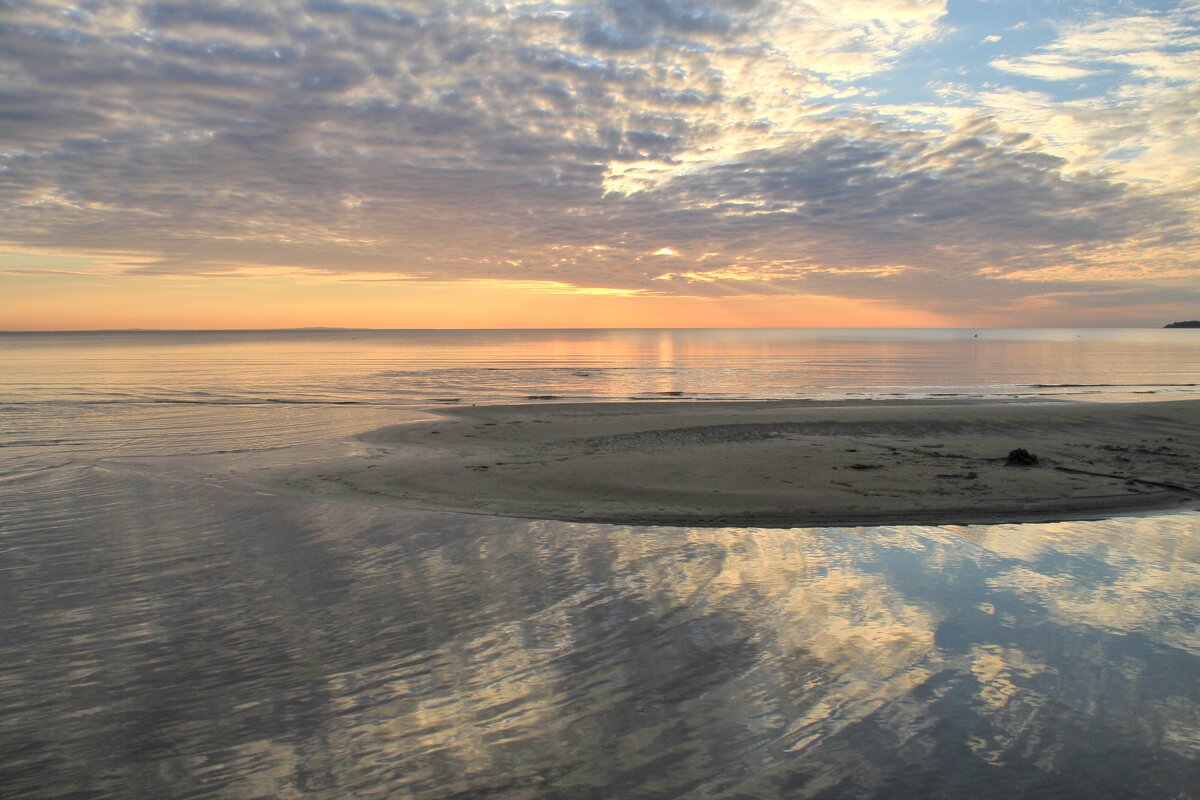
(1021, 458)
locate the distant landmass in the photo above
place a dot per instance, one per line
(1188, 323)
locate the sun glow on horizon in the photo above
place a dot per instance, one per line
(65, 295)
(606, 164)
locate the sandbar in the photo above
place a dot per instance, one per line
(779, 463)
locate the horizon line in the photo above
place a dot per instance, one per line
(336, 329)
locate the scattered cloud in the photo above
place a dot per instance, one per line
(625, 146)
(1044, 67)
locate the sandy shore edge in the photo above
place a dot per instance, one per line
(778, 463)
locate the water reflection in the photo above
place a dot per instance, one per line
(377, 368)
(163, 638)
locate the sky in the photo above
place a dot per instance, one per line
(628, 163)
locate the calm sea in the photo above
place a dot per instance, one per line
(388, 367)
(169, 632)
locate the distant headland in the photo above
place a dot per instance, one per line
(1188, 323)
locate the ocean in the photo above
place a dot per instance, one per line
(399, 367)
(168, 631)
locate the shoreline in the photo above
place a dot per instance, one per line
(777, 464)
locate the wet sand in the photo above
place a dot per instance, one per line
(779, 464)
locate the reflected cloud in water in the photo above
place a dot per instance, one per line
(171, 638)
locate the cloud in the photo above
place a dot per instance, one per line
(1161, 46)
(632, 145)
(1140, 121)
(1045, 67)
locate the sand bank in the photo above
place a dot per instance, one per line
(780, 463)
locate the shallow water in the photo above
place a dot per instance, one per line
(168, 638)
(389, 367)
(171, 631)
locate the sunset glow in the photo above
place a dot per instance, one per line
(900, 163)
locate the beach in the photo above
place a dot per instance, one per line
(777, 464)
(226, 574)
